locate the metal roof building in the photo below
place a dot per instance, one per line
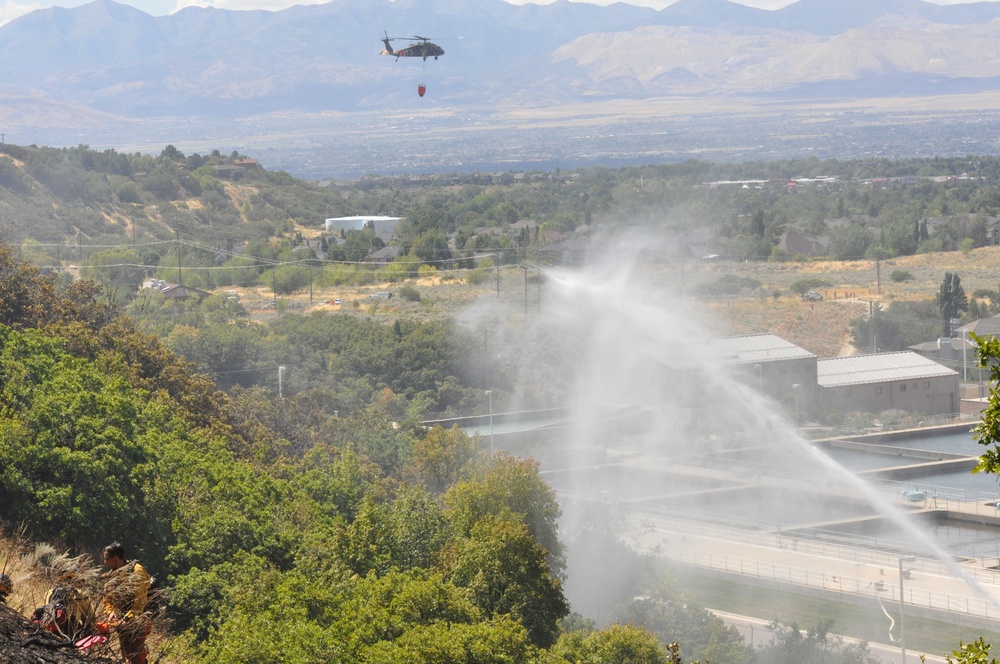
(770, 363)
(888, 381)
(878, 368)
(754, 348)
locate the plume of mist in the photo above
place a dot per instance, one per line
(660, 426)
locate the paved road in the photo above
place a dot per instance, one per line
(843, 567)
(755, 632)
(969, 588)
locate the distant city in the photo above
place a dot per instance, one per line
(350, 146)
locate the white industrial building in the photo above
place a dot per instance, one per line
(357, 223)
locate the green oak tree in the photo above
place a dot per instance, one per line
(505, 573)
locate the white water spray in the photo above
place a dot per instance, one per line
(664, 429)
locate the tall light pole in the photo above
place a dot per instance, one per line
(902, 634)
(489, 393)
(966, 342)
(795, 390)
(281, 370)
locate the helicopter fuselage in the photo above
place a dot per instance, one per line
(422, 49)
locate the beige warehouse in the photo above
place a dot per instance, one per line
(888, 381)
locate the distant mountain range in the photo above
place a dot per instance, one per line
(102, 60)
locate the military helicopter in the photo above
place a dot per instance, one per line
(423, 47)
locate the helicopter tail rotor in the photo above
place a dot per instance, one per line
(388, 47)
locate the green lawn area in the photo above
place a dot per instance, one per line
(864, 622)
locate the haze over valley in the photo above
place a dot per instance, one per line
(521, 87)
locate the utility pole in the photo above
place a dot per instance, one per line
(878, 276)
(871, 321)
(965, 349)
(489, 393)
(525, 289)
(180, 277)
(539, 290)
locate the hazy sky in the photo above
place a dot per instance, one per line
(11, 9)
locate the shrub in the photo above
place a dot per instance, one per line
(901, 275)
(477, 276)
(409, 293)
(127, 192)
(803, 286)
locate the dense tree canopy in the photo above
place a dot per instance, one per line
(106, 435)
(213, 210)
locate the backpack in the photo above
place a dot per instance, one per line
(155, 596)
(156, 600)
(67, 613)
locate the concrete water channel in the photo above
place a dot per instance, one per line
(749, 513)
(747, 510)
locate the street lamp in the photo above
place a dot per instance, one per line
(489, 393)
(902, 634)
(795, 390)
(760, 378)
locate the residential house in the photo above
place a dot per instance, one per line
(386, 254)
(796, 243)
(178, 291)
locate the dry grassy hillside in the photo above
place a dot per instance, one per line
(822, 327)
(979, 268)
